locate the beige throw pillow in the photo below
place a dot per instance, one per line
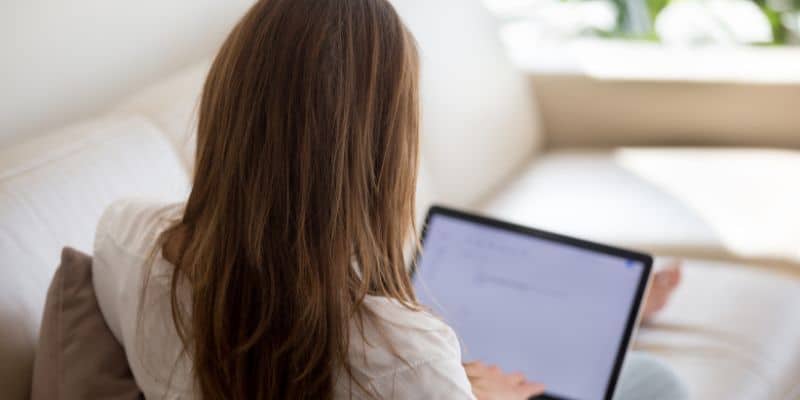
(78, 356)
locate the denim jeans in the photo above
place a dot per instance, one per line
(644, 377)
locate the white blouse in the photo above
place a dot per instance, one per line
(124, 242)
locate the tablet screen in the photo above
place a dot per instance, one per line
(557, 312)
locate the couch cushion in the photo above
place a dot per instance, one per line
(52, 192)
(78, 357)
(172, 106)
(749, 197)
(730, 204)
(479, 119)
(731, 332)
(591, 194)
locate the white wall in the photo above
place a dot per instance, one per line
(61, 61)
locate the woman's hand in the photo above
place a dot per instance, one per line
(490, 383)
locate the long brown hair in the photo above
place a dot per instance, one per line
(303, 196)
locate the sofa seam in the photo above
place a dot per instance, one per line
(76, 147)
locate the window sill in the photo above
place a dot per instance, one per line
(620, 60)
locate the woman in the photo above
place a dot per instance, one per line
(283, 275)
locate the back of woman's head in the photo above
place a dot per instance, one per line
(302, 198)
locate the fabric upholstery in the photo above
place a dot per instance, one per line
(731, 331)
(590, 194)
(728, 204)
(172, 106)
(78, 357)
(749, 197)
(479, 118)
(52, 192)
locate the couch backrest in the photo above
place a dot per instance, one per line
(64, 60)
(52, 192)
(479, 117)
(172, 106)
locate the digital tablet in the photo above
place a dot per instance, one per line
(558, 309)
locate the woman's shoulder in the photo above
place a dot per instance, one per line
(395, 314)
(402, 347)
(414, 334)
(126, 235)
(132, 225)
(124, 244)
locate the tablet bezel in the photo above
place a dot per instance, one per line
(635, 312)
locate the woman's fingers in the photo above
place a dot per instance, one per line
(530, 389)
(475, 369)
(516, 378)
(489, 382)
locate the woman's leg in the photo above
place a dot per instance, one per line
(645, 377)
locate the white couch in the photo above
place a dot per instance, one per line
(732, 330)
